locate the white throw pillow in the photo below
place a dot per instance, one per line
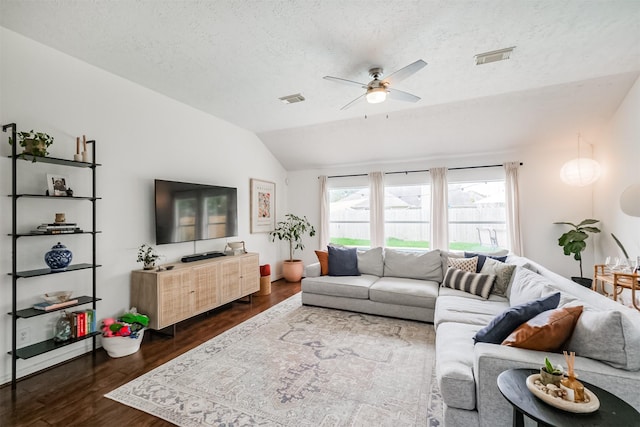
(503, 273)
(371, 262)
(413, 265)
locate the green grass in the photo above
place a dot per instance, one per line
(393, 242)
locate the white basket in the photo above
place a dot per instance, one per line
(122, 346)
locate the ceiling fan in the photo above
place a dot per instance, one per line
(378, 89)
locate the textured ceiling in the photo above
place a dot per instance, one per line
(234, 59)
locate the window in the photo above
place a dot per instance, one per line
(349, 215)
(477, 216)
(407, 210)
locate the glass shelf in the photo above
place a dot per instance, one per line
(32, 312)
(45, 271)
(56, 161)
(48, 345)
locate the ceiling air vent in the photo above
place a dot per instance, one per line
(292, 99)
(494, 56)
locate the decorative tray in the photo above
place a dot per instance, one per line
(590, 405)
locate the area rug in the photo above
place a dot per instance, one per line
(296, 365)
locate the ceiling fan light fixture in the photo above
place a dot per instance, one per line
(376, 95)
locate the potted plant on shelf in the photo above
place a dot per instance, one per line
(148, 256)
(574, 242)
(550, 374)
(293, 229)
(123, 336)
(34, 143)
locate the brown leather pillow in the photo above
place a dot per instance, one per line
(323, 259)
(547, 331)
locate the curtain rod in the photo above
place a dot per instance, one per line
(418, 171)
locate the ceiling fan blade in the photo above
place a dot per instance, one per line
(345, 81)
(405, 72)
(360, 98)
(402, 96)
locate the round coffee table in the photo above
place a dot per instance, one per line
(613, 410)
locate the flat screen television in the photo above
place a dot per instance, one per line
(186, 212)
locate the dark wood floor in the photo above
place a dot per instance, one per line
(72, 394)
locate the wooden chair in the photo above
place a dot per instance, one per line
(619, 282)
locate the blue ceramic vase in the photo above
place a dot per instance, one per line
(58, 258)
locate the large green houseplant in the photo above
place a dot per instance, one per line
(293, 229)
(573, 242)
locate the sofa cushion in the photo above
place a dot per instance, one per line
(403, 291)
(526, 286)
(413, 265)
(323, 259)
(371, 261)
(608, 336)
(454, 364)
(340, 286)
(474, 283)
(507, 321)
(547, 331)
(343, 261)
(465, 264)
(462, 309)
(503, 273)
(482, 258)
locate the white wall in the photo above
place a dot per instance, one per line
(619, 155)
(141, 135)
(545, 199)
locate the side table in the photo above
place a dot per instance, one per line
(613, 411)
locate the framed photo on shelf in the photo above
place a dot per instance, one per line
(263, 206)
(58, 185)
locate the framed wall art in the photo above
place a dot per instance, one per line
(263, 206)
(58, 185)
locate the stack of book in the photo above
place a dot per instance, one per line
(82, 323)
(58, 228)
(48, 306)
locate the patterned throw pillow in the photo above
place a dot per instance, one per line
(465, 264)
(503, 274)
(473, 283)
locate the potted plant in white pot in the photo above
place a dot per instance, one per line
(293, 229)
(574, 242)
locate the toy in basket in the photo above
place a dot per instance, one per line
(123, 336)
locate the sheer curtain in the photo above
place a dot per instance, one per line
(439, 209)
(513, 207)
(376, 203)
(323, 231)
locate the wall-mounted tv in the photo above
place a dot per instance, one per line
(186, 212)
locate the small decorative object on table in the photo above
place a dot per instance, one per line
(571, 386)
(123, 336)
(550, 374)
(148, 256)
(58, 258)
(62, 328)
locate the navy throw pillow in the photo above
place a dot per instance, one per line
(506, 322)
(343, 261)
(482, 258)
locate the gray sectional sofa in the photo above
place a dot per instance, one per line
(408, 285)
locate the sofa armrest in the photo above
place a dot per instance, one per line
(312, 270)
(492, 359)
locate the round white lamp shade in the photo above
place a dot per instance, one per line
(580, 172)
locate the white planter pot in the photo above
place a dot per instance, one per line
(122, 346)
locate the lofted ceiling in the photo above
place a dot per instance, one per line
(573, 63)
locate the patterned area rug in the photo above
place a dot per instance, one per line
(294, 365)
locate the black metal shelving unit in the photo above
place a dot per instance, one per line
(16, 314)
